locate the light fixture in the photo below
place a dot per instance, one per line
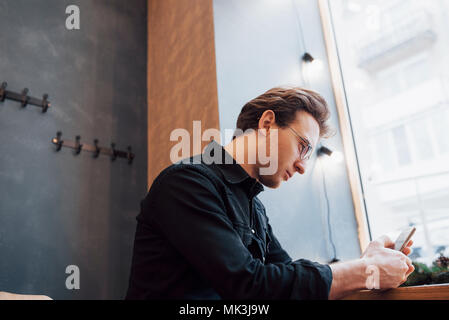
(325, 150)
(335, 156)
(307, 57)
(321, 152)
(311, 68)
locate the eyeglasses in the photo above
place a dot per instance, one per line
(306, 147)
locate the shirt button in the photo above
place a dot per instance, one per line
(252, 230)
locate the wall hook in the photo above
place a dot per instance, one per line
(129, 155)
(78, 145)
(45, 103)
(58, 141)
(114, 152)
(3, 91)
(97, 149)
(24, 98)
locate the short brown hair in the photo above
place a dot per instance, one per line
(285, 102)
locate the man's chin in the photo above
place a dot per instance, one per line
(272, 183)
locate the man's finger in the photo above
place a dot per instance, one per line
(406, 251)
(410, 270)
(385, 241)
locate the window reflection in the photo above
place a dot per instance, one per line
(395, 67)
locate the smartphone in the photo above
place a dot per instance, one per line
(404, 238)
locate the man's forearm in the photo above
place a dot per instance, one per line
(347, 277)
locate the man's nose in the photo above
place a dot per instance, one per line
(300, 166)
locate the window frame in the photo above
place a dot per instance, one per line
(349, 148)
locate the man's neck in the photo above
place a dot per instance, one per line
(237, 146)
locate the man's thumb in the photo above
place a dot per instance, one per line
(385, 241)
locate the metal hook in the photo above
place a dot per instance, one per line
(114, 152)
(78, 145)
(3, 91)
(45, 103)
(97, 149)
(25, 97)
(129, 155)
(58, 141)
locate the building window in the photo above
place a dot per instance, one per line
(395, 70)
(401, 146)
(440, 125)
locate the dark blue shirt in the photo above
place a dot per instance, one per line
(202, 233)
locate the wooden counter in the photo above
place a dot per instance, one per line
(428, 292)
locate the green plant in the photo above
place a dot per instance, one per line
(437, 273)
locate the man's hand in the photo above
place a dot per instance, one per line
(387, 267)
(393, 266)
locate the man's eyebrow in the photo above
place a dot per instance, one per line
(305, 138)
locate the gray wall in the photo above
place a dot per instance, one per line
(57, 209)
(258, 46)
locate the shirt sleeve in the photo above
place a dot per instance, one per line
(189, 211)
(276, 254)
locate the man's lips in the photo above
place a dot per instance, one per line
(288, 174)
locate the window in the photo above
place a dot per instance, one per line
(401, 146)
(395, 70)
(440, 125)
(422, 140)
(403, 76)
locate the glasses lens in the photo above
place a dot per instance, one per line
(306, 152)
(306, 148)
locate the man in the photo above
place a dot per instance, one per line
(202, 232)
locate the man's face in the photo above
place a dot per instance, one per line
(289, 149)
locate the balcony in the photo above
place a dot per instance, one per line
(412, 35)
(426, 96)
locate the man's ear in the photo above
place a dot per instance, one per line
(266, 121)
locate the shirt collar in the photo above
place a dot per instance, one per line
(231, 170)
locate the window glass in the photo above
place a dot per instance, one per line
(395, 69)
(440, 126)
(401, 146)
(422, 140)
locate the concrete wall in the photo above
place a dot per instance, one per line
(57, 209)
(259, 46)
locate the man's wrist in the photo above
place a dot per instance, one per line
(348, 277)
